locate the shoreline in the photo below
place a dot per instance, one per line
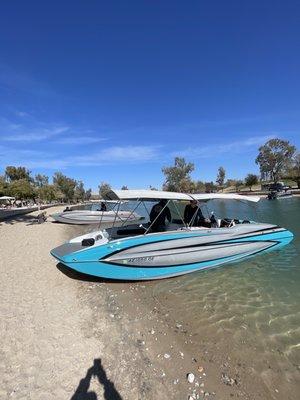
(65, 335)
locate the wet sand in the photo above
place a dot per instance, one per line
(66, 336)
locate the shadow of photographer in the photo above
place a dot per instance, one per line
(82, 392)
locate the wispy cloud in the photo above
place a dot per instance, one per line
(80, 140)
(108, 156)
(26, 135)
(26, 129)
(223, 148)
(22, 114)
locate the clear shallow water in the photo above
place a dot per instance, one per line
(256, 300)
(247, 311)
(254, 304)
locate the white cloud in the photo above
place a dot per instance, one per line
(22, 114)
(108, 156)
(129, 153)
(30, 130)
(229, 148)
(80, 140)
(35, 134)
(115, 155)
(27, 130)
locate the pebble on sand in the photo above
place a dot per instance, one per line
(190, 377)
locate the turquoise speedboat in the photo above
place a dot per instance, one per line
(136, 252)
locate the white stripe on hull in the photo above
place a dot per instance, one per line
(189, 255)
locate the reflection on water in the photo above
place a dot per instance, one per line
(255, 302)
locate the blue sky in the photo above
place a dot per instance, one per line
(113, 91)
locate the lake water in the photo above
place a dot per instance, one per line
(253, 306)
(249, 310)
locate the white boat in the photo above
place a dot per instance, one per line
(282, 194)
(136, 252)
(87, 217)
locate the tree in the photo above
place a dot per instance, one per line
(293, 171)
(230, 182)
(48, 193)
(197, 187)
(41, 180)
(15, 173)
(251, 180)
(124, 187)
(21, 189)
(3, 186)
(88, 194)
(274, 158)
(65, 185)
(221, 177)
(79, 191)
(177, 177)
(210, 187)
(238, 184)
(104, 187)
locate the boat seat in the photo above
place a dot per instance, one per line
(130, 232)
(177, 221)
(88, 242)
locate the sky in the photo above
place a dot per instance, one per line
(113, 91)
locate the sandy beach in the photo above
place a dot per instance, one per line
(59, 340)
(65, 336)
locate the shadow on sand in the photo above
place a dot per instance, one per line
(78, 276)
(82, 392)
(17, 218)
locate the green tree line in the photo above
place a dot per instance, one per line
(19, 183)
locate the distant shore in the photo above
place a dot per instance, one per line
(16, 211)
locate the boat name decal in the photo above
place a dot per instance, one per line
(139, 259)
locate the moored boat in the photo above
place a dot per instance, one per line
(283, 194)
(87, 217)
(136, 252)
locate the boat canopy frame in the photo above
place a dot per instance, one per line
(152, 195)
(141, 196)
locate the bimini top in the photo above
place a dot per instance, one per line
(160, 194)
(101, 200)
(145, 195)
(224, 196)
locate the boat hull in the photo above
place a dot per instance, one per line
(87, 217)
(168, 254)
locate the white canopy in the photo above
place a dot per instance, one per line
(224, 196)
(145, 195)
(101, 200)
(7, 198)
(159, 194)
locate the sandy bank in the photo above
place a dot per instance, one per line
(60, 338)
